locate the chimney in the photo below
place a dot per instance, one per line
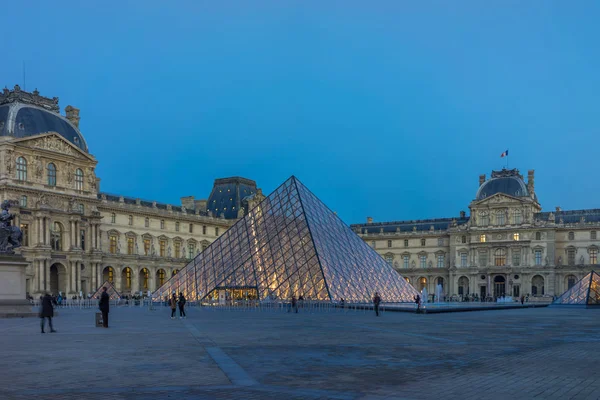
(530, 180)
(188, 202)
(72, 115)
(462, 214)
(369, 220)
(481, 179)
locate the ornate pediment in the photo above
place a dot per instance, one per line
(54, 142)
(500, 198)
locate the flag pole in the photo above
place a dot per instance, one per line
(506, 158)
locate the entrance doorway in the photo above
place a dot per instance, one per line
(499, 286)
(58, 279)
(482, 292)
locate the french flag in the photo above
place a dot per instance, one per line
(505, 154)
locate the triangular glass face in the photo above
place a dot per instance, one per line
(110, 289)
(290, 244)
(584, 292)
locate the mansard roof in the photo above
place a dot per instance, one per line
(409, 225)
(571, 216)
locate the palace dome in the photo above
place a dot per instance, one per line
(509, 182)
(24, 114)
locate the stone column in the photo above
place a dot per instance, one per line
(69, 279)
(151, 279)
(39, 230)
(135, 278)
(47, 219)
(47, 274)
(40, 275)
(77, 275)
(118, 277)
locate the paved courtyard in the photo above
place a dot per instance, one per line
(519, 354)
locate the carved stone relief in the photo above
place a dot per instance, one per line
(53, 143)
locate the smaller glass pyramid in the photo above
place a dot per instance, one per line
(110, 289)
(584, 293)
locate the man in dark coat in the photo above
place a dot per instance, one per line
(104, 306)
(47, 311)
(376, 301)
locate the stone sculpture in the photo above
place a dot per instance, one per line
(11, 237)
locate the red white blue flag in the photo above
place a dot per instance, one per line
(505, 154)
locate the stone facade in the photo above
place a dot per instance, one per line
(76, 237)
(506, 247)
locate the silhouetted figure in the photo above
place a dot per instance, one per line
(104, 307)
(418, 303)
(181, 306)
(173, 304)
(294, 305)
(47, 311)
(376, 301)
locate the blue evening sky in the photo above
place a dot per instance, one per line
(388, 109)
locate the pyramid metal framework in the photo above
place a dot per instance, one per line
(291, 244)
(110, 289)
(585, 293)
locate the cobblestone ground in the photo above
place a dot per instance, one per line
(542, 353)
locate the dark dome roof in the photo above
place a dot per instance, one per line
(23, 114)
(509, 182)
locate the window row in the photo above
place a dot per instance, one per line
(440, 242)
(484, 238)
(422, 258)
(149, 250)
(113, 219)
(571, 235)
(51, 173)
(502, 217)
(23, 204)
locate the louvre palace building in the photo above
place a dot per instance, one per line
(76, 237)
(506, 247)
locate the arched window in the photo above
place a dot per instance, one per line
(517, 215)
(79, 179)
(144, 277)
(571, 280)
(175, 271)
(500, 257)
(484, 219)
(21, 169)
(126, 276)
(51, 174)
(537, 285)
(108, 274)
(422, 284)
(161, 277)
(500, 217)
(56, 237)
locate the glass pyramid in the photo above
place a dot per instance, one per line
(586, 292)
(290, 244)
(110, 289)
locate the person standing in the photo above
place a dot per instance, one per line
(104, 307)
(418, 303)
(181, 306)
(47, 311)
(376, 301)
(173, 304)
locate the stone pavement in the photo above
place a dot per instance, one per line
(544, 353)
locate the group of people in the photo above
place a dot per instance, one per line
(47, 309)
(174, 302)
(294, 303)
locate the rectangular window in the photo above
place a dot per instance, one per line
(147, 223)
(81, 208)
(463, 259)
(538, 257)
(515, 236)
(389, 243)
(191, 251)
(405, 242)
(571, 235)
(130, 245)
(517, 217)
(113, 218)
(163, 248)
(176, 226)
(571, 256)
(592, 233)
(23, 202)
(25, 230)
(516, 257)
(422, 242)
(147, 247)
(483, 259)
(389, 260)
(463, 239)
(162, 224)
(500, 217)
(405, 260)
(440, 260)
(191, 228)
(482, 238)
(204, 230)
(484, 220)
(593, 256)
(373, 245)
(113, 244)
(423, 261)
(82, 238)
(177, 250)
(216, 231)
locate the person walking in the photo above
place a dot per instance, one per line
(418, 303)
(376, 301)
(104, 307)
(46, 311)
(181, 306)
(173, 304)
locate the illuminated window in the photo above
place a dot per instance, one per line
(113, 244)
(109, 274)
(176, 226)
(538, 257)
(593, 256)
(51, 174)
(175, 271)
(482, 238)
(571, 235)
(162, 224)
(463, 259)
(78, 179)
(405, 259)
(144, 275)
(517, 216)
(25, 230)
(162, 248)
(500, 217)
(130, 245)
(440, 261)
(422, 242)
(21, 169)
(177, 249)
(127, 276)
(147, 247)
(423, 261)
(389, 243)
(405, 242)
(161, 277)
(515, 236)
(500, 257)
